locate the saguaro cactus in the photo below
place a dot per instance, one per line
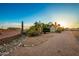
(22, 27)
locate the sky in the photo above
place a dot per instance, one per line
(12, 14)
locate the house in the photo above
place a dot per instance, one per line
(52, 29)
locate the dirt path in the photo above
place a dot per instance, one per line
(9, 33)
(57, 44)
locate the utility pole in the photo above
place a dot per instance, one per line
(22, 27)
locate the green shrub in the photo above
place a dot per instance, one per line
(12, 28)
(59, 29)
(62, 29)
(33, 31)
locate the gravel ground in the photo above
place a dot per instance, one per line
(55, 44)
(9, 47)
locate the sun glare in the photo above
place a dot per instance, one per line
(65, 20)
(63, 23)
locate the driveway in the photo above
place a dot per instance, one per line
(60, 44)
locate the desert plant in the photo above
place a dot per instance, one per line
(38, 26)
(62, 28)
(59, 29)
(12, 28)
(33, 31)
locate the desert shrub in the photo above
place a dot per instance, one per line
(33, 31)
(38, 29)
(3, 49)
(62, 29)
(59, 29)
(12, 28)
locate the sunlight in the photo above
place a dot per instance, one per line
(63, 23)
(65, 20)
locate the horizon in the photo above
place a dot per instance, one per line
(64, 14)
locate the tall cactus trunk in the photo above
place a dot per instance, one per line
(22, 27)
